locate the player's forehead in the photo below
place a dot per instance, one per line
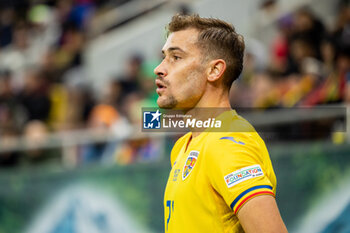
(185, 40)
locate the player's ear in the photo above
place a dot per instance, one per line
(216, 69)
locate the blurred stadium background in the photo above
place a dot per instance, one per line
(74, 75)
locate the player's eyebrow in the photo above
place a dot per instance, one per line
(171, 49)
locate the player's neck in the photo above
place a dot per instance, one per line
(214, 98)
(210, 106)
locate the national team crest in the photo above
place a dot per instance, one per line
(190, 162)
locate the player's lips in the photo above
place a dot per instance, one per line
(160, 86)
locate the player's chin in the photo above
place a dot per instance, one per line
(161, 104)
(165, 103)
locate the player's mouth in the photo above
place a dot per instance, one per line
(160, 86)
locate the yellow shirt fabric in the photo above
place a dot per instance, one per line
(213, 175)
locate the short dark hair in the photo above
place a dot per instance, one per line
(218, 40)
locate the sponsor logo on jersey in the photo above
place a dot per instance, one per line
(189, 164)
(243, 174)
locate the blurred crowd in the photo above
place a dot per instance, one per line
(42, 86)
(307, 63)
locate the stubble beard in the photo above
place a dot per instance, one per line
(169, 103)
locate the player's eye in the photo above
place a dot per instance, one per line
(176, 57)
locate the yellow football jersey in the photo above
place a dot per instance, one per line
(213, 175)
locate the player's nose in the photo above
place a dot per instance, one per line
(160, 70)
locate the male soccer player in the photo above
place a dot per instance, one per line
(219, 182)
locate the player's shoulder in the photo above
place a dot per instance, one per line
(242, 141)
(238, 127)
(232, 122)
(236, 131)
(232, 140)
(238, 124)
(237, 149)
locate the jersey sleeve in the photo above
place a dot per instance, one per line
(237, 170)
